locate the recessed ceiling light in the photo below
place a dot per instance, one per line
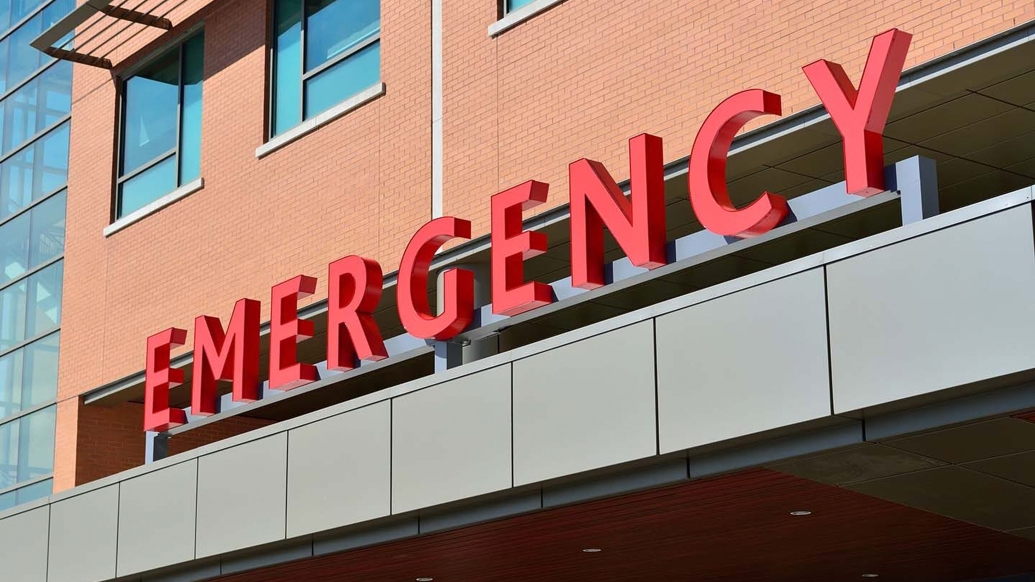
(424, 579)
(800, 513)
(592, 550)
(870, 575)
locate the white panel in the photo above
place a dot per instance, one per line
(339, 470)
(744, 363)
(451, 441)
(585, 405)
(242, 496)
(156, 518)
(83, 533)
(941, 310)
(23, 546)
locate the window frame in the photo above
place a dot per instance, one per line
(119, 178)
(271, 83)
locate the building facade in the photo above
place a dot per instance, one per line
(803, 352)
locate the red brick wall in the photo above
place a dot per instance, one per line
(576, 81)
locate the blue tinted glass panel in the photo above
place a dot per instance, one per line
(35, 491)
(28, 375)
(148, 186)
(515, 4)
(47, 233)
(34, 172)
(12, 314)
(32, 238)
(20, 60)
(14, 248)
(8, 500)
(44, 300)
(335, 26)
(13, 11)
(151, 110)
(336, 84)
(190, 132)
(36, 106)
(27, 448)
(287, 66)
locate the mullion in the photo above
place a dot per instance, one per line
(369, 41)
(145, 167)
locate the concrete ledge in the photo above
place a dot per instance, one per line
(512, 19)
(310, 125)
(134, 217)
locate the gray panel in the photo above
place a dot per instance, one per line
(654, 475)
(156, 518)
(456, 517)
(242, 496)
(25, 536)
(744, 363)
(451, 441)
(1019, 468)
(586, 405)
(339, 470)
(83, 531)
(377, 533)
(267, 556)
(981, 440)
(960, 494)
(861, 463)
(944, 309)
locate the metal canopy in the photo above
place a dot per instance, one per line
(96, 29)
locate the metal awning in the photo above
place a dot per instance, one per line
(94, 30)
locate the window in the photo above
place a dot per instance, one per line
(325, 51)
(18, 60)
(27, 447)
(161, 127)
(512, 5)
(35, 106)
(26, 494)
(32, 238)
(35, 172)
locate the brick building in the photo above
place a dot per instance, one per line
(846, 393)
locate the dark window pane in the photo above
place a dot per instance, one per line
(335, 26)
(152, 103)
(336, 84)
(287, 73)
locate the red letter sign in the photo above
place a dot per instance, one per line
(457, 288)
(230, 356)
(354, 288)
(707, 180)
(511, 295)
(860, 115)
(286, 372)
(159, 378)
(596, 200)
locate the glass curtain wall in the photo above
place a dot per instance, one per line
(35, 105)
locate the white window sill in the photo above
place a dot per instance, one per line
(520, 15)
(314, 123)
(136, 216)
